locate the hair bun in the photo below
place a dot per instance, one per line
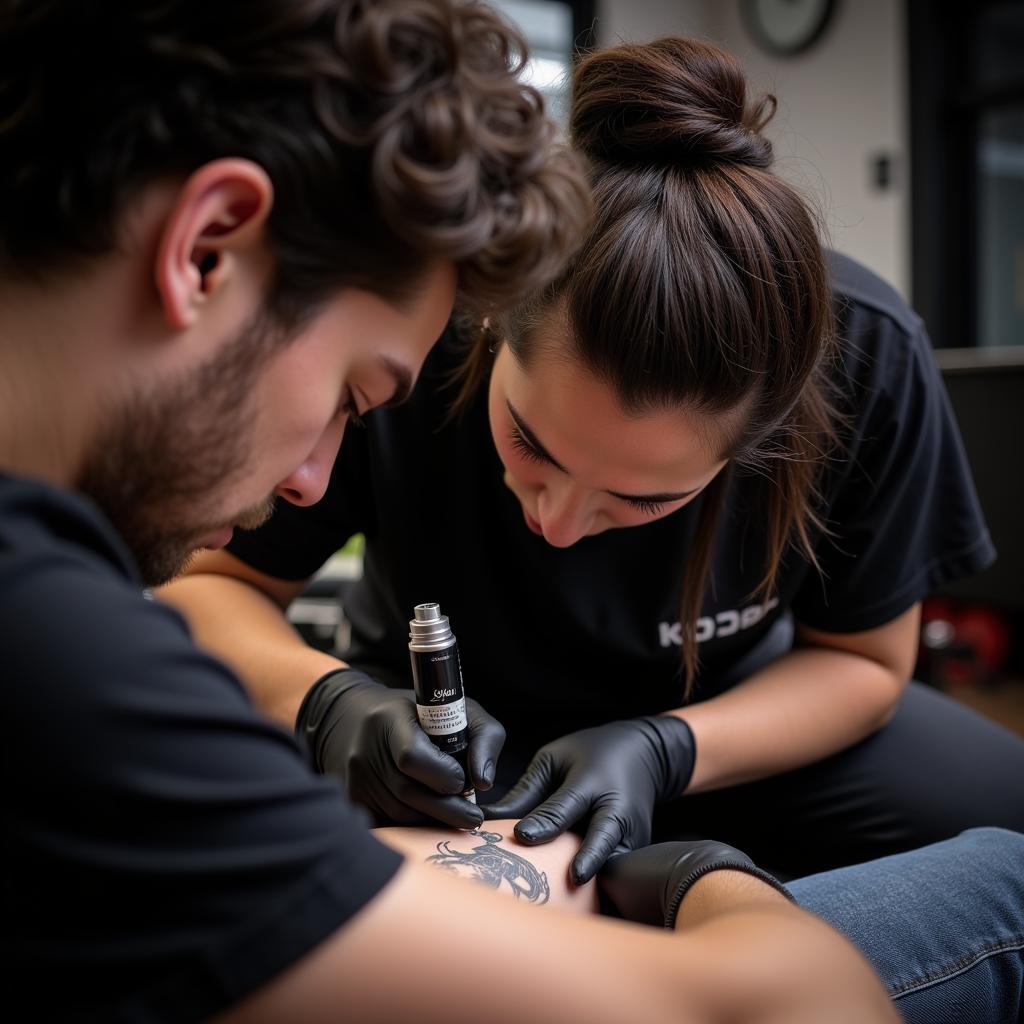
(672, 101)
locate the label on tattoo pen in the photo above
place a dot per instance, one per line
(443, 719)
(440, 699)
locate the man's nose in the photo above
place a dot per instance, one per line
(564, 513)
(308, 483)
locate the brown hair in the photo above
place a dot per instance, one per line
(702, 284)
(395, 132)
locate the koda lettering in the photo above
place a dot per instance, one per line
(722, 624)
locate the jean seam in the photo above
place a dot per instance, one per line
(960, 966)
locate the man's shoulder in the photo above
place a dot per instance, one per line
(78, 628)
(43, 525)
(57, 552)
(145, 778)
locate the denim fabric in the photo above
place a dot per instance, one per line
(943, 925)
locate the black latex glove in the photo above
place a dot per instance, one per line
(648, 885)
(615, 773)
(369, 735)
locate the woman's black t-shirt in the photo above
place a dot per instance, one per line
(558, 639)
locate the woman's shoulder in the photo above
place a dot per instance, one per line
(881, 340)
(858, 290)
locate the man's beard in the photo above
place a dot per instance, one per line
(168, 455)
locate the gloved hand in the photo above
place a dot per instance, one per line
(648, 885)
(616, 773)
(369, 735)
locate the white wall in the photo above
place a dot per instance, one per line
(840, 105)
(634, 21)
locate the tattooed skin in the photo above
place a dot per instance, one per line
(493, 865)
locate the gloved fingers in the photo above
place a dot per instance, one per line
(634, 889)
(456, 811)
(558, 813)
(605, 834)
(532, 787)
(416, 757)
(384, 807)
(486, 738)
(412, 804)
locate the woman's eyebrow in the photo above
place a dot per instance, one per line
(654, 499)
(531, 438)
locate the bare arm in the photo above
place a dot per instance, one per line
(828, 693)
(237, 613)
(432, 948)
(363, 732)
(763, 960)
(492, 856)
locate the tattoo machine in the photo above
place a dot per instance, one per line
(437, 681)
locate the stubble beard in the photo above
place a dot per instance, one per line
(164, 461)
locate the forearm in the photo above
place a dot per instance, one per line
(801, 708)
(492, 856)
(429, 946)
(245, 628)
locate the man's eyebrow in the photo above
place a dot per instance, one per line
(402, 378)
(531, 438)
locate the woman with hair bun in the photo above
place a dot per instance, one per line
(681, 509)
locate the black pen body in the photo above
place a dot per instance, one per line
(437, 682)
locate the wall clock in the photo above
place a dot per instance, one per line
(786, 27)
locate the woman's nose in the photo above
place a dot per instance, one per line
(564, 514)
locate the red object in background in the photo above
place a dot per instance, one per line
(962, 645)
(987, 632)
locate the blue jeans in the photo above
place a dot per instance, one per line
(943, 925)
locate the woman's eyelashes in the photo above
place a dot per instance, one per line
(526, 451)
(524, 448)
(650, 508)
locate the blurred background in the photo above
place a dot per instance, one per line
(902, 121)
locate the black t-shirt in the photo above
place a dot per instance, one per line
(558, 639)
(166, 850)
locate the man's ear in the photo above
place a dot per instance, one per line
(219, 213)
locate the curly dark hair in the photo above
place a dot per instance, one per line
(395, 132)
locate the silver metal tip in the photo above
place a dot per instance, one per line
(427, 612)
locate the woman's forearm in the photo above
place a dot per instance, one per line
(802, 707)
(238, 623)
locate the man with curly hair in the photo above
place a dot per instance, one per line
(227, 229)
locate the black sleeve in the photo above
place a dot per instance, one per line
(295, 542)
(904, 515)
(167, 849)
